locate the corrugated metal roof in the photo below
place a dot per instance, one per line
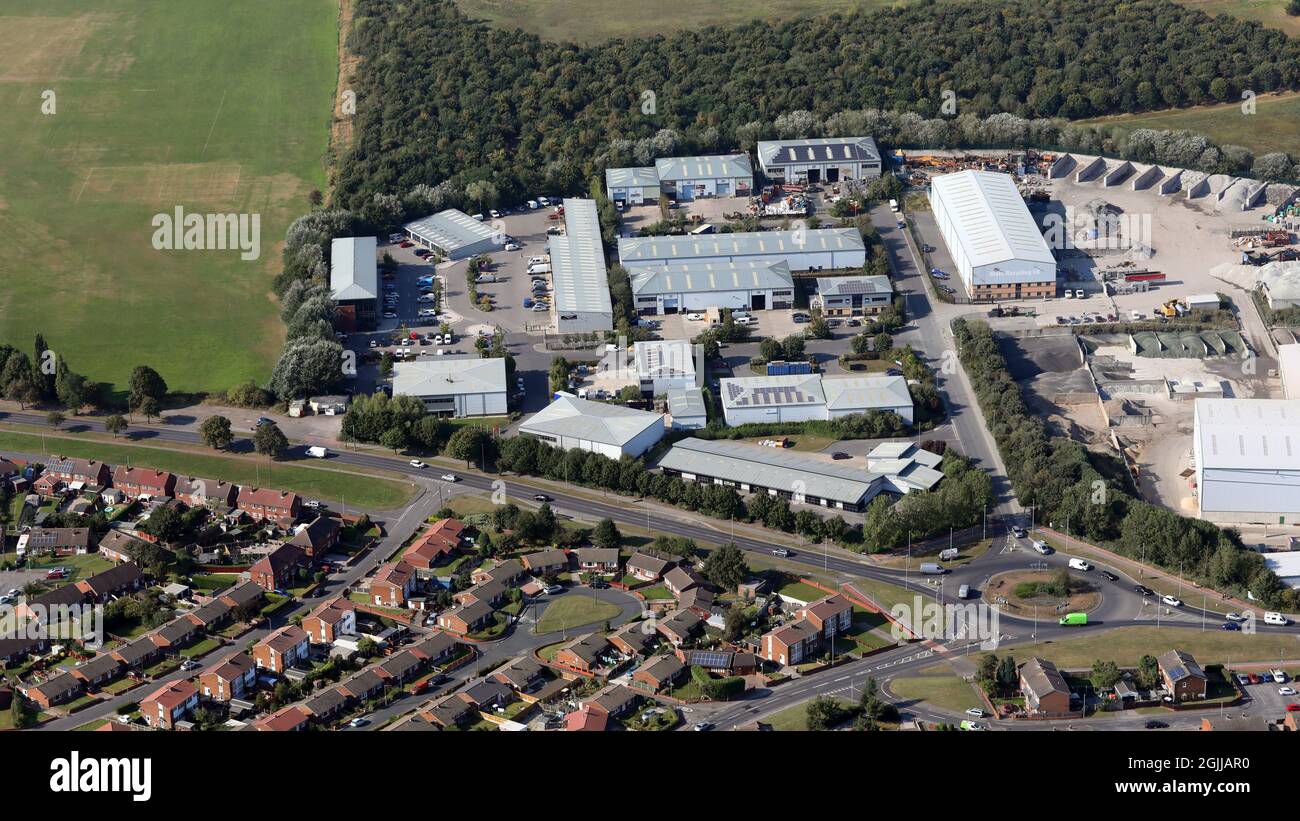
(578, 273)
(847, 286)
(704, 277)
(990, 218)
(854, 392)
(782, 244)
(839, 393)
(633, 177)
(765, 467)
(353, 270)
(593, 421)
(686, 403)
(450, 230)
(1249, 434)
(715, 166)
(819, 150)
(450, 376)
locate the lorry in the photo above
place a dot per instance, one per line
(1074, 619)
(317, 452)
(948, 555)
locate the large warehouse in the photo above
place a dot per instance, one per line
(999, 251)
(688, 178)
(1247, 454)
(697, 286)
(455, 386)
(801, 479)
(454, 234)
(614, 430)
(802, 250)
(354, 282)
(632, 186)
(805, 397)
(826, 159)
(578, 277)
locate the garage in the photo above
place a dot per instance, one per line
(758, 302)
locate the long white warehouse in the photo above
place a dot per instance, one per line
(802, 250)
(997, 247)
(1247, 455)
(806, 397)
(614, 430)
(697, 286)
(578, 274)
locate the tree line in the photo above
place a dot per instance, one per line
(447, 100)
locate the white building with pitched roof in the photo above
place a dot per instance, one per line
(455, 386)
(614, 430)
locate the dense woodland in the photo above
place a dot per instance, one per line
(442, 99)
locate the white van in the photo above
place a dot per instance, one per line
(963, 592)
(317, 452)
(1276, 618)
(1079, 564)
(539, 268)
(932, 569)
(537, 260)
(742, 318)
(1042, 547)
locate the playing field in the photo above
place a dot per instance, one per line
(1275, 125)
(213, 107)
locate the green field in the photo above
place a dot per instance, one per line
(943, 690)
(1271, 13)
(574, 610)
(1126, 645)
(1275, 125)
(590, 21)
(329, 485)
(214, 107)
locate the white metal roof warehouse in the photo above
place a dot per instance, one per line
(805, 397)
(803, 250)
(824, 159)
(456, 234)
(1247, 454)
(614, 430)
(993, 238)
(697, 286)
(578, 275)
(754, 468)
(354, 272)
(461, 386)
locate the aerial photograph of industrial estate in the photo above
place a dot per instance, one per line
(556, 367)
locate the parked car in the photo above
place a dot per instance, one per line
(695, 317)
(553, 589)
(839, 454)
(1286, 691)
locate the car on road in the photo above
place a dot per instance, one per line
(190, 664)
(416, 463)
(359, 721)
(947, 289)
(782, 552)
(553, 589)
(1144, 590)
(1230, 626)
(1172, 601)
(975, 712)
(1019, 532)
(972, 725)
(1235, 617)
(1042, 547)
(1286, 691)
(1155, 725)
(449, 477)
(839, 454)
(313, 504)
(703, 726)
(56, 573)
(1109, 576)
(598, 584)
(541, 497)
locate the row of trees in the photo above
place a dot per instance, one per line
(490, 108)
(1066, 483)
(43, 377)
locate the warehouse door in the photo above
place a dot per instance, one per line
(814, 175)
(758, 302)
(832, 175)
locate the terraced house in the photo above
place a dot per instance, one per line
(135, 483)
(266, 504)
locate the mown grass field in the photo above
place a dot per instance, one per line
(590, 21)
(215, 107)
(1275, 125)
(1126, 645)
(371, 492)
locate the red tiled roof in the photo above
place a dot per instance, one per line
(172, 694)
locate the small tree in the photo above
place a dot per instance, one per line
(269, 440)
(394, 439)
(149, 408)
(115, 424)
(55, 419)
(216, 432)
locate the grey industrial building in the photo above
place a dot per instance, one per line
(802, 250)
(846, 296)
(1247, 454)
(825, 159)
(613, 430)
(687, 409)
(454, 234)
(455, 386)
(719, 175)
(579, 280)
(632, 186)
(698, 286)
(807, 397)
(801, 479)
(354, 282)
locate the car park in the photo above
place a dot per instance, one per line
(539, 307)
